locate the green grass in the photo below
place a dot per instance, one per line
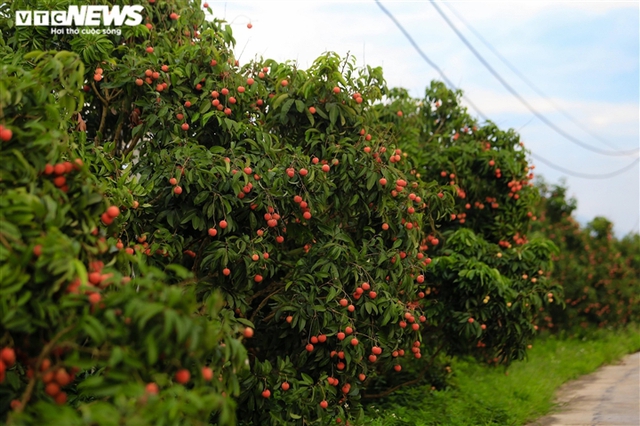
(480, 395)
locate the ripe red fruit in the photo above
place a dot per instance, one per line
(397, 367)
(354, 342)
(52, 389)
(279, 239)
(249, 25)
(366, 286)
(8, 356)
(344, 302)
(373, 358)
(420, 279)
(376, 350)
(185, 126)
(471, 320)
(399, 113)
(94, 298)
(113, 211)
(59, 169)
(289, 319)
(285, 386)
(213, 232)
(284, 83)
(60, 183)
(187, 104)
(139, 82)
(306, 215)
(173, 16)
(152, 388)
(60, 398)
(312, 110)
(324, 404)
(37, 250)
(325, 168)
(322, 338)
(248, 332)
(223, 224)
(226, 271)
(182, 376)
(336, 90)
(383, 181)
(373, 294)
(309, 347)
(385, 226)
(177, 190)
(341, 335)
(304, 172)
(62, 377)
(257, 278)
(266, 393)
(149, 49)
(165, 68)
(348, 330)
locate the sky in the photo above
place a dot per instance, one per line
(584, 55)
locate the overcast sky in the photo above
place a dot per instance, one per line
(583, 55)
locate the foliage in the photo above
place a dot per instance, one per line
(295, 205)
(85, 333)
(599, 273)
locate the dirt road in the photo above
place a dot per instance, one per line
(607, 397)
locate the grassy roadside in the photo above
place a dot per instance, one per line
(480, 395)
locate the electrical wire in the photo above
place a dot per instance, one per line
(521, 99)
(446, 79)
(427, 60)
(586, 175)
(528, 82)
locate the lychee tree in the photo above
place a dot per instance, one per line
(82, 325)
(598, 272)
(488, 278)
(272, 199)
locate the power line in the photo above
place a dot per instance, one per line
(521, 99)
(426, 58)
(444, 77)
(526, 80)
(585, 175)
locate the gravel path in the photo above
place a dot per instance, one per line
(608, 397)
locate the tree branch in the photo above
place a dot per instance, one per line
(264, 302)
(45, 352)
(410, 382)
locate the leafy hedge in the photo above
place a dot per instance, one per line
(341, 227)
(600, 274)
